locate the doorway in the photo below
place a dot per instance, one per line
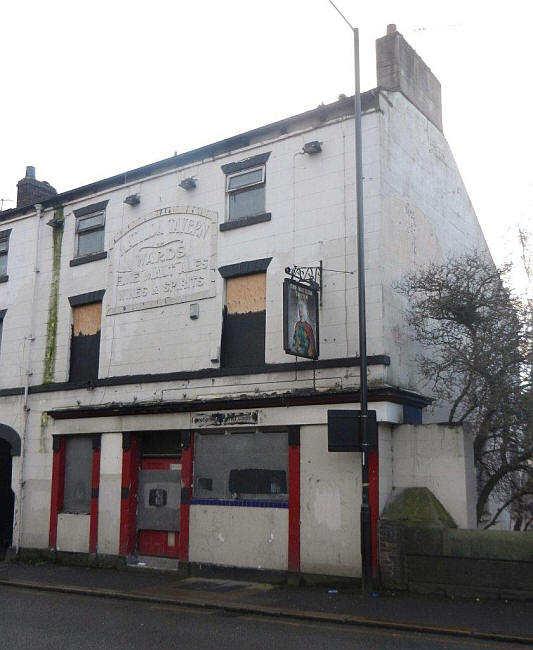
(159, 496)
(7, 498)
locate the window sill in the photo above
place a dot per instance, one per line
(85, 259)
(4, 278)
(245, 221)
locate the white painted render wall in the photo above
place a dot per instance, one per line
(426, 216)
(73, 532)
(239, 536)
(440, 458)
(330, 504)
(109, 493)
(416, 210)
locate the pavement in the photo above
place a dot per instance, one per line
(504, 621)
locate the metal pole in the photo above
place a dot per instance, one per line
(366, 544)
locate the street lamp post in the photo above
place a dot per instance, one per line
(366, 547)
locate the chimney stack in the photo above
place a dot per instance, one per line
(401, 69)
(31, 191)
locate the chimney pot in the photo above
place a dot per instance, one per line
(30, 171)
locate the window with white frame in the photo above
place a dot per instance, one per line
(90, 230)
(4, 248)
(246, 193)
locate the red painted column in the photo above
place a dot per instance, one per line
(294, 500)
(187, 459)
(95, 485)
(373, 496)
(58, 487)
(128, 500)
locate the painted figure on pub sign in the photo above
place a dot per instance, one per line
(300, 319)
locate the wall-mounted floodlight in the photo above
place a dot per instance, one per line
(132, 199)
(188, 183)
(312, 147)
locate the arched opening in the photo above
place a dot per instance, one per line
(7, 498)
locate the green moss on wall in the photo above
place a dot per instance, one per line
(53, 302)
(42, 439)
(417, 506)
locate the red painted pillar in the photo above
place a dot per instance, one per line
(58, 487)
(95, 485)
(373, 496)
(128, 500)
(294, 500)
(187, 459)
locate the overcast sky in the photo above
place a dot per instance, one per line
(93, 89)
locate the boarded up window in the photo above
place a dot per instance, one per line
(85, 344)
(243, 333)
(78, 472)
(241, 466)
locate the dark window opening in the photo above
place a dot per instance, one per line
(244, 322)
(4, 249)
(7, 498)
(2, 314)
(161, 443)
(85, 342)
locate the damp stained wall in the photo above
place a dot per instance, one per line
(426, 217)
(330, 505)
(239, 536)
(109, 493)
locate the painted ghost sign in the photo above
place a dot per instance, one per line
(164, 257)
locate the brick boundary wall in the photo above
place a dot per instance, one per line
(456, 562)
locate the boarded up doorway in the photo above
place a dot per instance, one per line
(159, 501)
(6, 498)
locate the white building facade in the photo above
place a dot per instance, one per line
(146, 399)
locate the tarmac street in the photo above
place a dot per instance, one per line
(49, 620)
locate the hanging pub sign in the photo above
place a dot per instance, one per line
(300, 319)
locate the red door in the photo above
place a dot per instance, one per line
(163, 543)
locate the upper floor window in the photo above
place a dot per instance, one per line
(244, 316)
(90, 233)
(4, 248)
(85, 340)
(246, 193)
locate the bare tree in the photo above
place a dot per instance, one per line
(477, 352)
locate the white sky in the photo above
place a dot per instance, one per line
(92, 89)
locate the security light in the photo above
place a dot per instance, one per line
(132, 199)
(312, 147)
(188, 183)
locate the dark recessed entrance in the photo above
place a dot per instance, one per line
(7, 498)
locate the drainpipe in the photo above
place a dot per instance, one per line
(28, 369)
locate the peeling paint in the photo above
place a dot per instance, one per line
(53, 301)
